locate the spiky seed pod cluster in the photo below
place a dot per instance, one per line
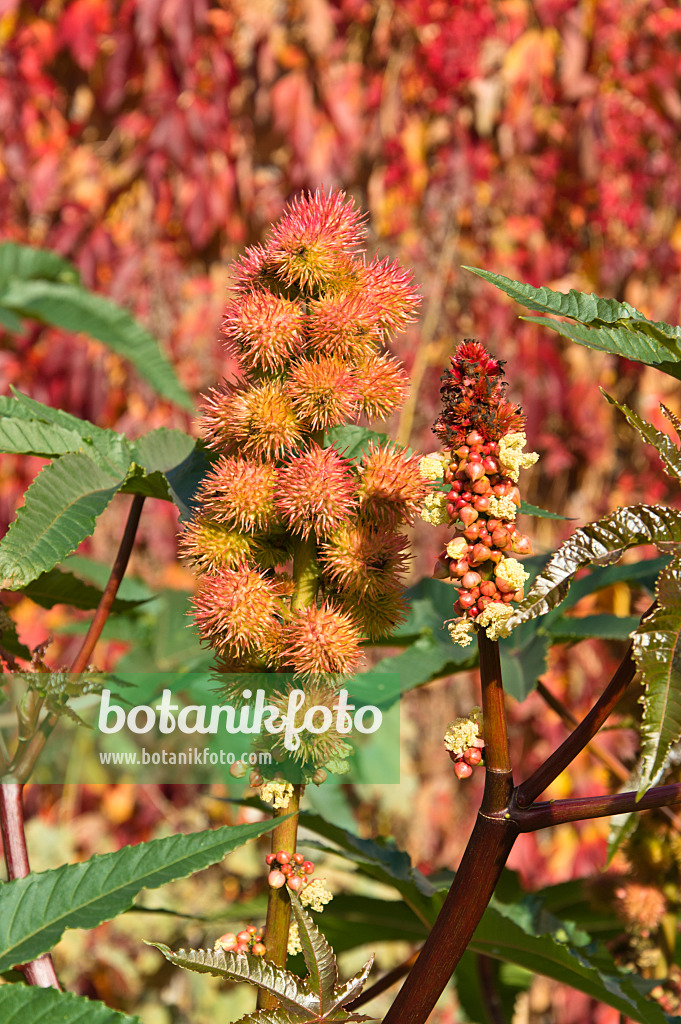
(309, 321)
(481, 468)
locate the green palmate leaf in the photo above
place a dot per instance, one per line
(620, 341)
(32, 437)
(541, 513)
(59, 587)
(352, 442)
(665, 447)
(319, 958)
(524, 934)
(605, 324)
(36, 910)
(61, 508)
(269, 1017)
(26, 263)
(155, 455)
(657, 651)
(70, 306)
(22, 1003)
(293, 993)
(598, 544)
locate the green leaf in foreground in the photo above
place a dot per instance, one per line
(538, 942)
(599, 543)
(61, 508)
(68, 305)
(59, 587)
(317, 998)
(36, 910)
(604, 324)
(657, 651)
(353, 442)
(663, 444)
(21, 1003)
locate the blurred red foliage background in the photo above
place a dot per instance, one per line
(148, 141)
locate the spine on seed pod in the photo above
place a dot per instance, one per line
(483, 440)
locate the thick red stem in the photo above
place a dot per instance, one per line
(40, 972)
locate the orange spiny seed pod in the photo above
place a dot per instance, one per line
(381, 381)
(323, 392)
(364, 560)
(264, 329)
(321, 640)
(315, 491)
(391, 488)
(235, 609)
(240, 493)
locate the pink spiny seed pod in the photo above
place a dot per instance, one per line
(295, 883)
(468, 515)
(276, 879)
(472, 756)
(462, 770)
(471, 579)
(308, 867)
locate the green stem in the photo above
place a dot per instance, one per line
(306, 579)
(284, 837)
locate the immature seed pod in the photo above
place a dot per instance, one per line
(237, 770)
(462, 770)
(295, 883)
(319, 777)
(276, 879)
(255, 780)
(258, 949)
(308, 867)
